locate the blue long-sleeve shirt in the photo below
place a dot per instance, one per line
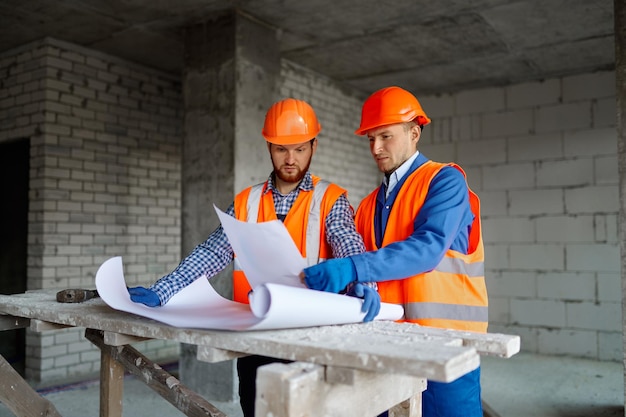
(442, 223)
(215, 253)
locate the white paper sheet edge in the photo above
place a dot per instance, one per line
(265, 251)
(199, 306)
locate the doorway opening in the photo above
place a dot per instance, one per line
(14, 175)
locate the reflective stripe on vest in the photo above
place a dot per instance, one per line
(424, 310)
(458, 266)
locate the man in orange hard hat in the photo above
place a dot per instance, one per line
(422, 230)
(291, 194)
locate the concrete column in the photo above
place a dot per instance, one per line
(620, 94)
(231, 75)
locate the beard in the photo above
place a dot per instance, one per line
(294, 177)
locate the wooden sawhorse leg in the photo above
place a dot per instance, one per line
(111, 385)
(117, 359)
(19, 397)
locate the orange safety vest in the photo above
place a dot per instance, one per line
(305, 223)
(454, 294)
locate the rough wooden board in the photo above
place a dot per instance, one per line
(397, 348)
(45, 326)
(212, 355)
(493, 344)
(19, 397)
(119, 339)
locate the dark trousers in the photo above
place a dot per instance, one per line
(459, 398)
(247, 369)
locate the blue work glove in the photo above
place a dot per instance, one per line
(333, 275)
(144, 296)
(371, 300)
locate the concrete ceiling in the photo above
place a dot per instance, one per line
(427, 46)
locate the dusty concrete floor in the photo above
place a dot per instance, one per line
(550, 386)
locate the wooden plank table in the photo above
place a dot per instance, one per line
(377, 364)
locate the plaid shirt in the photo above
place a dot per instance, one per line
(215, 253)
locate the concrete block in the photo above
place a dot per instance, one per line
(604, 112)
(438, 106)
(598, 199)
(609, 287)
(54, 351)
(590, 142)
(589, 86)
(565, 173)
(568, 342)
(533, 94)
(563, 117)
(65, 360)
(85, 70)
(69, 250)
(589, 257)
(610, 346)
(536, 202)
(537, 257)
(508, 176)
(493, 203)
(71, 100)
(481, 152)
(567, 286)
(480, 101)
(506, 124)
(565, 228)
(496, 256)
(512, 284)
(538, 312)
(508, 229)
(81, 260)
(439, 152)
(83, 368)
(595, 316)
(606, 170)
(53, 261)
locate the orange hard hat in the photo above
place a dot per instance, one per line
(289, 122)
(388, 106)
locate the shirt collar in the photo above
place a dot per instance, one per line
(305, 185)
(393, 179)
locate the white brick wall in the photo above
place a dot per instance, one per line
(543, 157)
(104, 178)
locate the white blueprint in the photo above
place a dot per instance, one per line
(266, 254)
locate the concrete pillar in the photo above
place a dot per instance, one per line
(620, 94)
(230, 78)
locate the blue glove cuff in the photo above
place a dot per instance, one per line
(332, 275)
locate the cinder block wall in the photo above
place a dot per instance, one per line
(104, 179)
(542, 157)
